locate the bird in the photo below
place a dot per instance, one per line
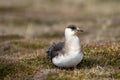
(68, 53)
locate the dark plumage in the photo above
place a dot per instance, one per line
(54, 49)
(73, 27)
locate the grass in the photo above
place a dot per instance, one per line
(10, 37)
(36, 18)
(14, 70)
(28, 27)
(101, 61)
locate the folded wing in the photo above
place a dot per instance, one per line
(55, 49)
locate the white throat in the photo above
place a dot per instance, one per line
(72, 41)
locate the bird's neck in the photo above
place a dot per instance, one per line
(72, 43)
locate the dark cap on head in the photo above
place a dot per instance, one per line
(72, 26)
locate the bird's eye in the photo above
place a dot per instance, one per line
(73, 28)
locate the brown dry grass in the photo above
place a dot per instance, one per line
(28, 27)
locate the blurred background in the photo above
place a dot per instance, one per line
(48, 18)
(28, 27)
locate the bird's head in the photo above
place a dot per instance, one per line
(72, 30)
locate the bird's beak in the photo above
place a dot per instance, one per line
(80, 30)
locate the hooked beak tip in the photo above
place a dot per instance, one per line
(80, 30)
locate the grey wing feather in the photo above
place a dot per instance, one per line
(54, 49)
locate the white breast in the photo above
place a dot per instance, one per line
(72, 49)
(68, 60)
